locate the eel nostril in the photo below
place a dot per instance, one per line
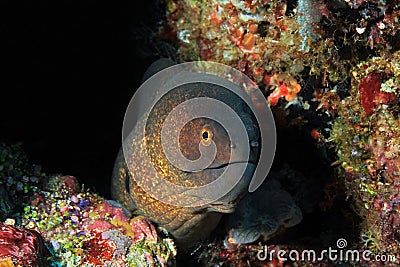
(254, 143)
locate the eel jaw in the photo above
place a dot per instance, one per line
(222, 207)
(228, 202)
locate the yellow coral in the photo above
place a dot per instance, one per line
(7, 262)
(124, 225)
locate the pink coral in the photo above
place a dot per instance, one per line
(100, 225)
(143, 229)
(108, 210)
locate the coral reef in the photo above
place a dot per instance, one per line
(62, 224)
(256, 37)
(86, 230)
(281, 43)
(367, 135)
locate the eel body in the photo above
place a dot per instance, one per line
(187, 224)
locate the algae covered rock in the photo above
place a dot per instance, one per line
(367, 135)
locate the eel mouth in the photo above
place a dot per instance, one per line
(230, 163)
(228, 200)
(221, 166)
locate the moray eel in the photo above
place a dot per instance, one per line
(186, 224)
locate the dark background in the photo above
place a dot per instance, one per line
(68, 72)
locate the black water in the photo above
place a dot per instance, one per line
(68, 71)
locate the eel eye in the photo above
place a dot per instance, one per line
(206, 136)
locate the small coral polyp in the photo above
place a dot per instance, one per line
(283, 85)
(367, 134)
